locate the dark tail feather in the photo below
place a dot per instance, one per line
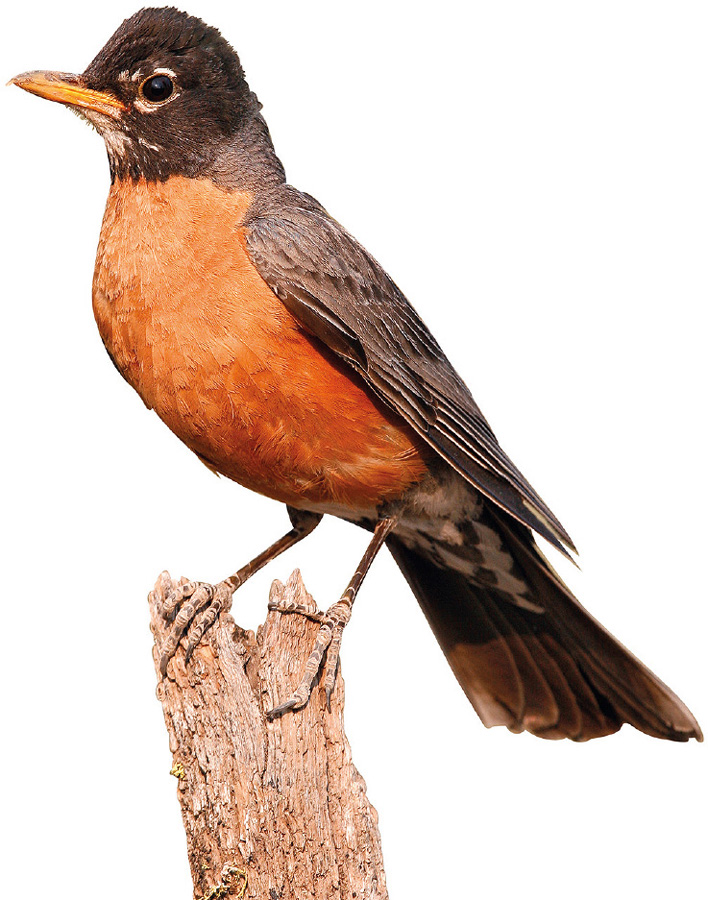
(556, 673)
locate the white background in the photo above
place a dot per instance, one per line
(534, 175)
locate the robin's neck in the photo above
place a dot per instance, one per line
(243, 161)
(247, 161)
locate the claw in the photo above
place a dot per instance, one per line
(175, 597)
(325, 649)
(165, 657)
(282, 708)
(203, 622)
(329, 634)
(188, 602)
(331, 663)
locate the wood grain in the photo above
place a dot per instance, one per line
(273, 810)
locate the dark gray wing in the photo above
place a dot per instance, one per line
(341, 295)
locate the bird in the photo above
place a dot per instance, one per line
(282, 354)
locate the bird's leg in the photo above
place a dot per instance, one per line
(196, 605)
(332, 622)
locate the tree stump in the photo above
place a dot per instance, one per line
(272, 810)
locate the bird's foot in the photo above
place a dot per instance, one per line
(324, 652)
(192, 607)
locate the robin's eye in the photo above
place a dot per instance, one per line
(157, 89)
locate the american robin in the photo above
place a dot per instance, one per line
(282, 354)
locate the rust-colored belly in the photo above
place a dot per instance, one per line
(207, 345)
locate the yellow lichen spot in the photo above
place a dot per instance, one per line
(178, 771)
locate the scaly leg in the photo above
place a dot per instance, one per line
(197, 605)
(332, 622)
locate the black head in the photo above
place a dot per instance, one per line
(169, 96)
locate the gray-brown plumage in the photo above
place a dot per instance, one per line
(534, 660)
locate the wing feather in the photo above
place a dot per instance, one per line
(341, 295)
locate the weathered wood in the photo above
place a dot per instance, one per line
(272, 810)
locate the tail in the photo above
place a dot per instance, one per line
(542, 665)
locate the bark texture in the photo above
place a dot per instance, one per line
(272, 810)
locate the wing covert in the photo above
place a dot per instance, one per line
(340, 294)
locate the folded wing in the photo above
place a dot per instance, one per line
(341, 295)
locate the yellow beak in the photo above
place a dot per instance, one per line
(70, 90)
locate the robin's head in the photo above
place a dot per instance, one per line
(169, 97)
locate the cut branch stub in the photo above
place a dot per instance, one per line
(279, 801)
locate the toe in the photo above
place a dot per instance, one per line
(280, 709)
(176, 597)
(197, 606)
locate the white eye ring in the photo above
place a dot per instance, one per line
(149, 106)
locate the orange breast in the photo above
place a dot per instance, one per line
(207, 345)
